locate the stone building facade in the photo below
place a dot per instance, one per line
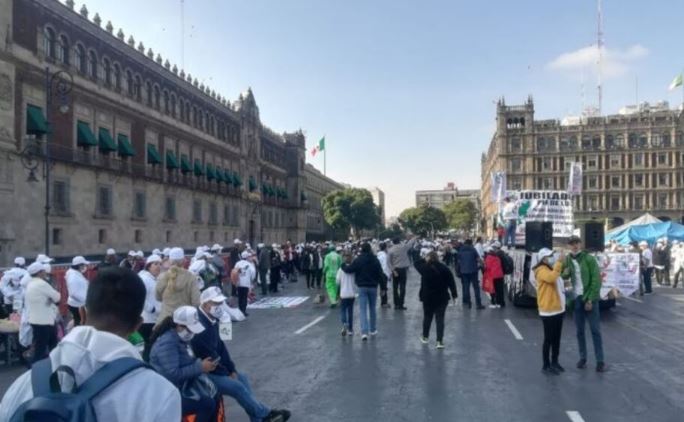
(317, 186)
(633, 162)
(438, 198)
(142, 154)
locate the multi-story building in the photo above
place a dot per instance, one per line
(632, 162)
(317, 186)
(142, 154)
(379, 200)
(440, 198)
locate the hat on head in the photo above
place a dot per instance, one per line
(140, 254)
(79, 260)
(212, 294)
(338, 249)
(260, 245)
(166, 251)
(176, 254)
(187, 316)
(496, 245)
(35, 268)
(19, 261)
(643, 243)
(245, 254)
(197, 266)
(544, 253)
(237, 241)
(574, 239)
(424, 252)
(152, 258)
(156, 251)
(43, 259)
(216, 247)
(110, 251)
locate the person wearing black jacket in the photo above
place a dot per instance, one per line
(228, 381)
(368, 274)
(305, 266)
(436, 281)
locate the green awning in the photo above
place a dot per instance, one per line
(211, 174)
(228, 176)
(219, 175)
(153, 156)
(264, 189)
(171, 160)
(85, 136)
(107, 143)
(125, 147)
(271, 191)
(185, 164)
(252, 184)
(199, 168)
(35, 121)
(237, 180)
(303, 196)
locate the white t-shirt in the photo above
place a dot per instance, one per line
(510, 212)
(579, 287)
(648, 257)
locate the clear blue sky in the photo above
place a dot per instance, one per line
(404, 91)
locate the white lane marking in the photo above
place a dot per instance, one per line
(309, 325)
(514, 330)
(574, 416)
(633, 299)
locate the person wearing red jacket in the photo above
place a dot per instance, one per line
(493, 281)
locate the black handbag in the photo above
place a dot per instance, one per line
(198, 387)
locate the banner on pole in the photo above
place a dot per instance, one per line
(498, 191)
(541, 205)
(575, 179)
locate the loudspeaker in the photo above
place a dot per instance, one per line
(594, 236)
(538, 235)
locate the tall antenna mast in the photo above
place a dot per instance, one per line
(599, 45)
(182, 5)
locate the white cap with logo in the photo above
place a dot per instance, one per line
(187, 316)
(176, 254)
(79, 260)
(19, 261)
(212, 294)
(36, 267)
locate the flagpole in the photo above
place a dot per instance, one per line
(325, 155)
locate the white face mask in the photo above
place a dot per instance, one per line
(216, 311)
(186, 335)
(551, 260)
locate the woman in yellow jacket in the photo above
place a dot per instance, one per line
(551, 305)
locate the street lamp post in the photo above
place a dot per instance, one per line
(57, 85)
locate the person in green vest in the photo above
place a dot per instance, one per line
(332, 263)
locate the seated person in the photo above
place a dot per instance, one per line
(228, 381)
(170, 356)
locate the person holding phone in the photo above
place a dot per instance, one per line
(551, 306)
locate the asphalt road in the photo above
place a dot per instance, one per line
(484, 374)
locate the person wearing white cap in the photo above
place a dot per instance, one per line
(169, 357)
(208, 345)
(247, 274)
(177, 286)
(109, 260)
(647, 260)
(152, 306)
(217, 263)
(661, 262)
(41, 299)
(130, 390)
(129, 261)
(551, 306)
(77, 286)
(12, 292)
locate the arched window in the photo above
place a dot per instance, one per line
(117, 77)
(667, 139)
(157, 98)
(107, 69)
(173, 105)
(182, 109)
(92, 64)
(166, 102)
(63, 50)
(49, 42)
(130, 83)
(195, 117)
(212, 132)
(80, 59)
(148, 93)
(138, 88)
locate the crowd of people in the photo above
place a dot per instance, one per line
(168, 309)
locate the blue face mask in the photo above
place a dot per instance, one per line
(551, 260)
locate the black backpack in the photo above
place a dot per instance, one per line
(49, 403)
(507, 264)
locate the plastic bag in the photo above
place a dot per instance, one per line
(235, 314)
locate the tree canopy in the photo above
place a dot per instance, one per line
(350, 209)
(461, 214)
(422, 220)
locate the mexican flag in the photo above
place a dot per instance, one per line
(318, 148)
(677, 81)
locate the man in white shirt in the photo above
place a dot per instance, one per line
(77, 285)
(41, 298)
(510, 218)
(647, 257)
(114, 303)
(384, 264)
(247, 273)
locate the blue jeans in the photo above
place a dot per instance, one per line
(648, 274)
(509, 236)
(240, 390)
(466, 281)
(368, 298)
(347, 313)
(594, 324)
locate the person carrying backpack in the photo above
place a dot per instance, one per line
(94, 373)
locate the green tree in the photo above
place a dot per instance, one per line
(390, 232)
(422, 220)
(350, 209)
(461, 215)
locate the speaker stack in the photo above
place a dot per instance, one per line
(538, 235)
(593, 236)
